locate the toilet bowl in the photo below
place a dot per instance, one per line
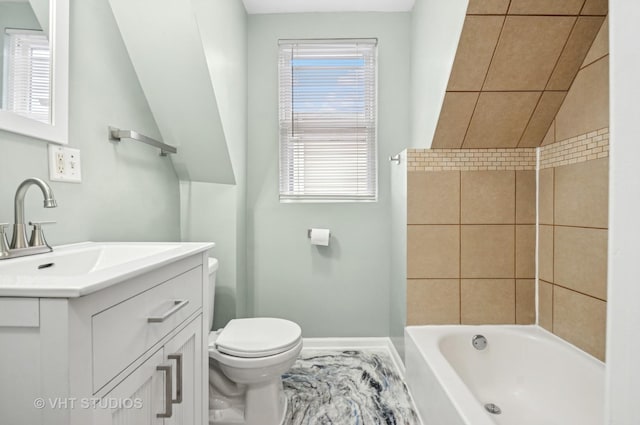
(246, 361)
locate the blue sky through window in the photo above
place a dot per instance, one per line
(328, 85)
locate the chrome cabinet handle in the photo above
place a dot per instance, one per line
(168, 406)
(178, 359)
(177, 305)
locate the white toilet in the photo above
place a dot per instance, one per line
(246, 361)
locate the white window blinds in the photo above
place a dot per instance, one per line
(328, 120)
(27, 88)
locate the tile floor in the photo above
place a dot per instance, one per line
(347, 387)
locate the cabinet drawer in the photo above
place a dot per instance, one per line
(125, 331)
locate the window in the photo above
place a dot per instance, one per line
(27, 87)
(328, 120)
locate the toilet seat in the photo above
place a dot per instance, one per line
(258, 337)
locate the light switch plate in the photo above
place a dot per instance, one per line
(64, 164)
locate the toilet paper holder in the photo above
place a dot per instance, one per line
(309, 234)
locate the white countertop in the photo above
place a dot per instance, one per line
(80, 269)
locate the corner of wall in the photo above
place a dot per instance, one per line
(436, 28)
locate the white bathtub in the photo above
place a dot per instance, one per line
(534, 377)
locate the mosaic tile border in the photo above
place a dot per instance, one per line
(497, 159)
(582, 148)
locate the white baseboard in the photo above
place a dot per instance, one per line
(345, 343)
(356, 343)
(395, 356)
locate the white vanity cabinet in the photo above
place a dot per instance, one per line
(145, 390)
(131, 353)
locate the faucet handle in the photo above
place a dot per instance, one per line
(4, 243)
(37, 236)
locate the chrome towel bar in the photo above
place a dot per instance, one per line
(115, 134)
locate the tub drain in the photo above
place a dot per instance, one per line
(492, 408)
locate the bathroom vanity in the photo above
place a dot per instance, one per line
(105, 334)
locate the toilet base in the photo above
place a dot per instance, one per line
(235, 416)
(268, 407)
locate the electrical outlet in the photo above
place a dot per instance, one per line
(59, 162)
(64, 164)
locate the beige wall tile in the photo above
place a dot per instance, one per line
(581, 320)
(433, 197)
(433, 251)
(545, 305)
(433, 301)
(527, 51)
(545, 253)
(500, 119)
(580, 260)
(488, 197)
(525, 301)
(488, 7)
(546, 195)
(526, 251)
(549, 138)
(454, 119)
(600, 46)
(487, 251)
(582, 194)
(542, 117)
(595, 7)
(580, 40)
(475, 49)
(526, 197)
(586, 107)
(545, 7)
(487, 301)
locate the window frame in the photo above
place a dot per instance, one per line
(369, 134)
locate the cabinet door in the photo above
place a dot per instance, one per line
(136, 400)
(184, 353)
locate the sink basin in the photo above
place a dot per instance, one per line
(79, 269)
(81, 261)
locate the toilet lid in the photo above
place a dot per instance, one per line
(258, 337)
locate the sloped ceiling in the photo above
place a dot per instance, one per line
(165, 47)
(515, 62)
(41, 10)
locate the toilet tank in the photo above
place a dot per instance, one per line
(213, 269)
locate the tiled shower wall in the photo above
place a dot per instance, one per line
(574, 182)
(515, 62)
(471, 224)
(573, 241)
(471, 236)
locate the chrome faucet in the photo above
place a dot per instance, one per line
(19, 245)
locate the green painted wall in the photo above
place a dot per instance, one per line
(217, 212)
(128, 191)
(342, 290)
(168, 51)
(398, 279)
